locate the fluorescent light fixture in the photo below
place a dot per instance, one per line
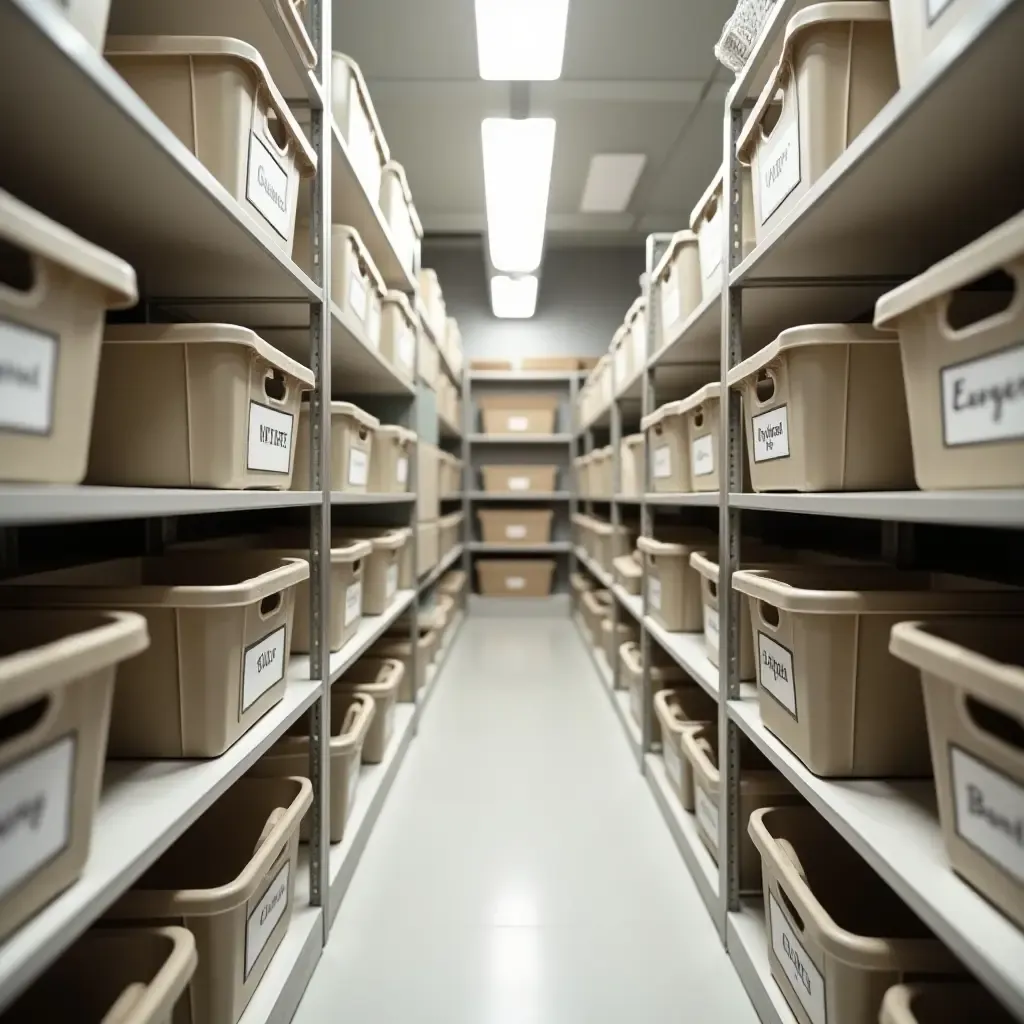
(514, 298)
(610, 182)
(517, 178)
(521, 40)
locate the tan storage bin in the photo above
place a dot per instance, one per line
(351, 718)
(673, 586)
(216, 95)
(428, 547)
(963, 384)
(397, 646)
(406, 574)
(515, 577)
(196, 405)
(827, 685)
(579, 584)
(838, 936)
(50, 344)
(112, 976)
(677, 277)
(230, 879)
(428, 480)
(825, 410)
(706, 563)
(357, 121)
(356, 284)
(954, 1002)
(631, 466)
(760, 786)
(382, 570)
(972, 672)
(836, 72)
(378, 679)
(609, 542)
(61, 663)
(510, 527)
(220, 625)
(668, 449)
(680, 711)
(518, 414)
(450, 530)
(636, 324)
(624, 632)
(919, 26)
(352, 434)
(708, 223)
(581, 464)
(399, 330)
(454, 585)
(432, 302)
(597, 607)
(400, 213)
(628, 573)
(631, 675)
(389, 467)
(701, 414)
(601, 472)
(519, 479)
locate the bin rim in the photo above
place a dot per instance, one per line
(711, 392)
(352, 411)
(639, 306)
(339, 743)
(403, 435)
(627, 565)
(966, 994)
(668, 548)
(675, 244)
(395, 673)
(717, 185)
(663, 412)
(632, 440)
(396, 298)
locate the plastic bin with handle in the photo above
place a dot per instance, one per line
(679, 711)
(636, 324)
(701, 419)
(613, 637)
(515, 577)
(229, 879)
(673, 586)
(628, 573)
(396, 645)
(357, 121)
(393, 449)
(663, 677)
(505, 415)
(379, 679)
(398, 334)
(400, 213)
(677, 277)
(518, 479)
(610, 541)
(57, 673)
(352, 435)
(382, 569)
(51, 327)
(942, 1002)
(356, 284)
(406, 574)
(631, 466)
(668, 449)
(707, 222)
(516, 527)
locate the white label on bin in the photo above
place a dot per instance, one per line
(707, 814)
(407, 349)
(353, 602)
(936, 7)
(28, 371)
(989, 808)
(518, 423)
(515, 533)
(779, 163)
(518, 483)
(264, 917)
(802, 975)
(358, 467)
(267, 186)
(711, 627)
(402, 470)
(670, 304)
(702, 456)
(673, 764)
(983, 399)
(514, 582)
(654, 592)
(391, 584)
(709, 243)
(770, 431)
(661, 462)
(35, 811)
(262, 667)
(270, 439)
(775, 672)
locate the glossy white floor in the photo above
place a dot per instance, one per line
(520, 872)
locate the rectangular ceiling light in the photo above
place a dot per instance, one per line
(521, 40)
(514, 298)
(610, 182)
(517, 178)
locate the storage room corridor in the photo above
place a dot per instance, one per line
(520, 872)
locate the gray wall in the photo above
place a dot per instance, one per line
(584, 294)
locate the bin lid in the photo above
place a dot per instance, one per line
(30, 230)
(709, 393)
(677, 242)
(363, 256)
(712, 194)
(399, 299)
(663, 412)
(393, 432)
(364, 94)
(396, 170)
(352, 411)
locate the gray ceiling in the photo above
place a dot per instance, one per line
(639, 77)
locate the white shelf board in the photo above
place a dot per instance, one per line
(144, 807)
(512, 439)
(594, 569)
(520, 496)
(894, 826)
(627, 499)
(746, 940)
(371, 628)
(345, 498)
(633, 603)
(687, 651)
(705, 499)
(438, 571)
(479, 547)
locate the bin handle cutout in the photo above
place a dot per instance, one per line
(794, 914)
(275, 387)
(19, 273)
(275, 131)
(765, 386)
(994, 723)
(713, 588)
(24, 720)
(364, 432)
(270, 604)
(957, 321)
(698, 417)
(769, 615)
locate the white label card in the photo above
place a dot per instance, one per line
(711, 627)
(661, 462)
(709, 243)
(983, 400)
(402, 470)
(770, 432)
(518, 483)
(266, 186)
(353, 602)
(515, 532)
(779, 164)
(358, 467)
(518, 423)
(989, 811)
(514, 582)
(264, 916)
(35, 811)
(654, 592)
(28, 376)
(391, 583)
(673, 763)
(775, 672)
(270, 439)
(707, 814)
(670, 303)
(702, 456)
(262, 667)
(799, 969)
(357, 295)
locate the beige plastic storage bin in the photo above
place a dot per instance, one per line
(919, 26)
(406, 575)
(515, 577)
(351, 718)
(631, 466)
(954, 1002)
(450, 530)
(581, 465)
(62, 665)
(357, 121)
(352, 434)
(220, 625)
(668, 449)
(399, 330)
(112, 976)
(428, 366)
(510, 527)
(356, 284)
(827, 685)
(579, 584)
(679, 711)
(382, 570)
(701, 413)
(963, 383)
(601, 472)
(230, 879)
(597, 607)
(216, 95)
(428, 547)
(609, 542)
(624, 632)
(379, 679)
(836, 72)
(677, 277)
(518, 414)
(518, 479)
(393, 449)
(628, 573)
(453, 584)
(708, 223)
(636, 323)
(397, 646)
(972, 671)
(400, 213)
(825, 410)
(673, 586)
(50, 345)
(662, 677)
(838, 936)
(432, 301)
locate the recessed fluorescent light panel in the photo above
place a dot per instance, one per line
(517, 178)
(514, 298)
(610, 182)
(521, 40)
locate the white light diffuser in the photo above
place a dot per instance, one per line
(517, 178)
(514, 298)
(610, 182)
(521, 40)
